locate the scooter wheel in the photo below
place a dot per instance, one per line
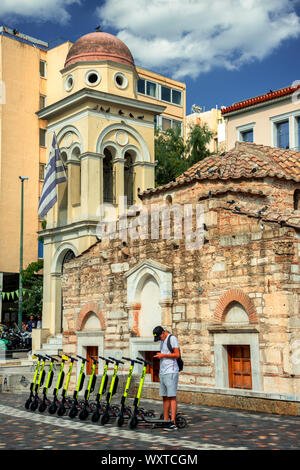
(83, 414)
(52, 409)
(104, 419)
(133, 422)
(95, 416)
(27, 404)
(61, 411)
(73, 413)
(180, 421)
(34, 405)
(42, 407)
(120, 421)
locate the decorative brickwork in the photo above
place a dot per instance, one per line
(89, 308)
(235, 295)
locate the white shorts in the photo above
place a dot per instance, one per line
(168, 385)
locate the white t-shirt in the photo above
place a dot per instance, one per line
(167, 365)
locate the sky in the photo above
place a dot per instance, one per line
(224, 50)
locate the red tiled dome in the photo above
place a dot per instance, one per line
(99, 46)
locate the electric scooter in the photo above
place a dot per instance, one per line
(32, 385)
(75, 404)
(52, 408)
(36, 399)
(65, 401)
(125, 411)
(109, 410)
(99, 407)
(45, 401)
(88, 407)
(139, 416)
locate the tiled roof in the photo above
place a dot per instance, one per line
(245, 160)
(272, 95)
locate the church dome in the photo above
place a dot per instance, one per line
(99, 46)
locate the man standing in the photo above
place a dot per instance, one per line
(168, 373)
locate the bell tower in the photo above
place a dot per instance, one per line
(106, 139)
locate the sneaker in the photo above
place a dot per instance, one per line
(171, 427)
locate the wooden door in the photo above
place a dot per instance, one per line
(239, 367)
(154, 369)
(91, 351)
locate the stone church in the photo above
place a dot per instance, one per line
(212, 256)
(232, 301)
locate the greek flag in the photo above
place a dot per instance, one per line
(55, 174)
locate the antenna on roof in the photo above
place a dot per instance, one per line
(196, 109)
(98, 29)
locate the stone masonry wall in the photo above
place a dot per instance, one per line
(257, 267)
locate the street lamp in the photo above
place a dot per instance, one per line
(22, 179)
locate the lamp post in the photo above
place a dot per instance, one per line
(22, 179)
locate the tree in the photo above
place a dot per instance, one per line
(196, 145)
(33, 286)
(169, 153)
(174, 156)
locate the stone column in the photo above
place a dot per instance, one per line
(133, 317)
(166, 312)
(118, 172)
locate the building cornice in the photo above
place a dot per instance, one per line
(85, 93)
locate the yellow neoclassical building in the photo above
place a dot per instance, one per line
(103, 110)
(104, 114)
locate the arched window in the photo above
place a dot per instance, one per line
(129, 178)
(76, 177)
(108, 179)
(297, 200)
(62, 196)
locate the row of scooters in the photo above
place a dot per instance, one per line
(100, 410)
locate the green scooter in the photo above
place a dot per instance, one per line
(36, 400)
(32, 385)
(73, 411)
(88, 407)
(52, 408)
(109, 410)
(66, 402)
(99, 407)
(45, 401)
(125, 411)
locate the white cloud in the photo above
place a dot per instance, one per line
(40, 10)
(188, 37)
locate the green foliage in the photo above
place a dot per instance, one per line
(174, 156)
(169, 153)
(196, 145)
(33, 283)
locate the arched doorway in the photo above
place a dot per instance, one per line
(68, 256)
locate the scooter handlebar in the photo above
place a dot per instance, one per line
(131, 360)
(104, 359)
(82, 358)
(51, 357)
(144, 361)
(117, 361)
(71, 358)
(93, 359)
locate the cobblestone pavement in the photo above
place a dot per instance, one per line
(209, 428)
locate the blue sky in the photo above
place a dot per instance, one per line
(224, 50)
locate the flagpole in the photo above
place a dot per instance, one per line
(22, 178)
